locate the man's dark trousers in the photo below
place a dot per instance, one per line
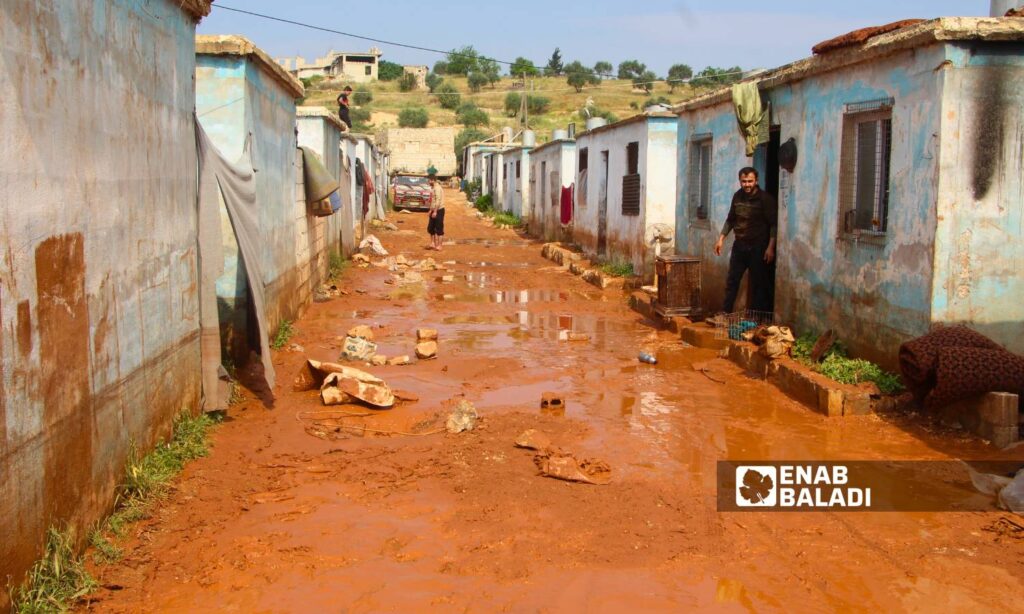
(746, 257)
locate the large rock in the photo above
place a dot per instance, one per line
(399, 361)
(426, 334)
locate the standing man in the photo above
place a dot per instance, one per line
(343, 107)
(436, 224)
(752, 216)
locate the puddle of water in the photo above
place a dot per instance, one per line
(527, 395)
(523, 297)
(486, 242)
(508, 265)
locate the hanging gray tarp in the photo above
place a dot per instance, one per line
(235, 183)
(319, 182)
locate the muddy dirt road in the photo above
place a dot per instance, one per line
(293, 512)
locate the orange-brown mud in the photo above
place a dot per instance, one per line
(293, 512)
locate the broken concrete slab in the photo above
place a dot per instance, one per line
(463, 417)
(532, 439)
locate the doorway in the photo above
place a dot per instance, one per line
(766, 161)
(602, 207)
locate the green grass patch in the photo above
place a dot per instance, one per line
(284, 333)
(336, 266)
(57, 580)
(508, 219)
(838, 366)
(485, 203)
(617, 268)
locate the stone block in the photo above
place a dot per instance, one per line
(1000, 436)
(426, 334)
(426, 349)
(552, 401)
(830, 402)
(999, 409)
(856, 404)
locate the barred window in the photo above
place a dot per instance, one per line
(631, 180)
(864, 168)
(699, 178)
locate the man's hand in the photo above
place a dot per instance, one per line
(769, 254)
(718, 245)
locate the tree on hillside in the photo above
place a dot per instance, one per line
(362, 97)
(476, 80)
(713, 76)
(631, 69)
(554, 67)
(471, 115)
(433, 80)
(580, 76)
(463, 61)
(413, 117)
(522, 66)
(677, 74)
(645, 80)
(512, 102)
(441, 67)
(389, 71)
(407, 82)
(490, 69)
(467, 136)
(603, 69)
(447, 96)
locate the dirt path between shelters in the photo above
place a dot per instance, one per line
(283, 517)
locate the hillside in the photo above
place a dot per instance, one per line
(613, 95)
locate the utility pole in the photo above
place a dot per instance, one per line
(523, 107)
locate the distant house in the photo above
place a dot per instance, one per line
(903, 208)
(353, 66)
(242, 96)
(420, 72)
(472, 160)
(553, 167)
(626, 182)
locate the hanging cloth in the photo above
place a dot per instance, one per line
(566, 216)
(236, 184)
(746, 99)
(319, 182)
(367, 191)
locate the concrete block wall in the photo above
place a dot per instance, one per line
(98, 282)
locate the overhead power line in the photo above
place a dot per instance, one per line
(430, 49)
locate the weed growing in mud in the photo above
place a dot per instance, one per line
(56, 581)
(836, 365)
(106, 551)
(508, 219)
(284, 333)
(337, 266)
(617, 268)
(485, 203)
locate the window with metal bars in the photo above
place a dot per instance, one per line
(864, 170)
(631, 180)
(699, 180)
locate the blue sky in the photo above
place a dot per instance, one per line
(659, 33)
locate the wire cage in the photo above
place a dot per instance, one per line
(733, 325)
(679, 283)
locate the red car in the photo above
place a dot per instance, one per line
(412, 192)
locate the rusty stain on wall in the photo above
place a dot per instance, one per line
(64, 373)
(24, 328)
